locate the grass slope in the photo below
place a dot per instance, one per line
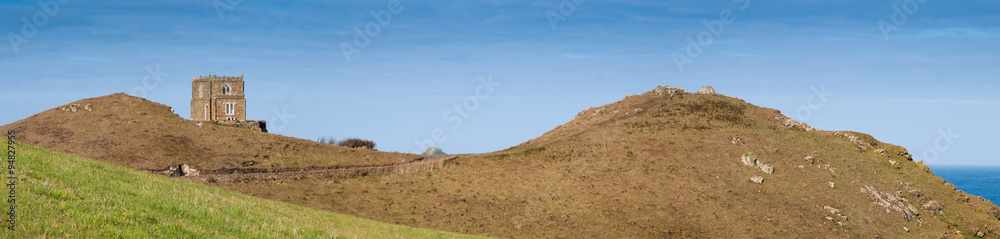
(62, 195)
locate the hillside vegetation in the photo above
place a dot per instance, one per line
(665, 163)
(62, 195)
(137, 133)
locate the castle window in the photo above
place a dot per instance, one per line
(230, 108)
(226, 89)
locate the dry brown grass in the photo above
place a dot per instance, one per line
(667, 168)
(140, 134)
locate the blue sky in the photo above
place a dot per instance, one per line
(929, 83)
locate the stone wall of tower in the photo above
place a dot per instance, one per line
(208, 99)
(201, 99)
(219, 109)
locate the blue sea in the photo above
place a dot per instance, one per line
(983, 181)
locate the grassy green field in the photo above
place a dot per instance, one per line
(60, 195)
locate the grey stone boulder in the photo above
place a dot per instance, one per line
(748, 159)
(188, 171)
(766, 168)
(433, 151)
(706, 90)
(933, 207)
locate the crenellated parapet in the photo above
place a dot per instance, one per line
(211, 77)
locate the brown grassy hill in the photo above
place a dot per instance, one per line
(661, 164)
(140, 134)
(666, 164)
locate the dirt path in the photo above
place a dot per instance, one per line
(259, 174)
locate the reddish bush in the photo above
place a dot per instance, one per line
(357, 143)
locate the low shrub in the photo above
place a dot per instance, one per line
(357, 143)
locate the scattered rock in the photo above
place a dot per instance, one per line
(789, 122)
(792, 123)
(706, 90)
(882, 152)
(72, 108)
(906, 229)
(199, 124)
(962, 198)
(828, 167)
(811, 159)
(433, 151)
(980, 234)
(894, 164)
(87, 107)
(905, 154)
(248, 163)
(736, 140)
(757, 179)
(749, 159)
(667, 90)
(174, 171)
(832, 210)
(994, 213)
(861, 143)
(766, 168)
(628, 96)
(808, 127)
(181, 170)
(891, 202)
(915, 193)
(933, 207)
(831, 184)
(188, 170)
(835, 211)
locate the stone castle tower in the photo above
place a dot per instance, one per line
(218, 98)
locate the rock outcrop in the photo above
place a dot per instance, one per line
(667, 90)
(934, 207)
(893, 203)
(182, 170)
(749, 159)
(706, 90)
(766, 168)
(74, 107)
(433, 151)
